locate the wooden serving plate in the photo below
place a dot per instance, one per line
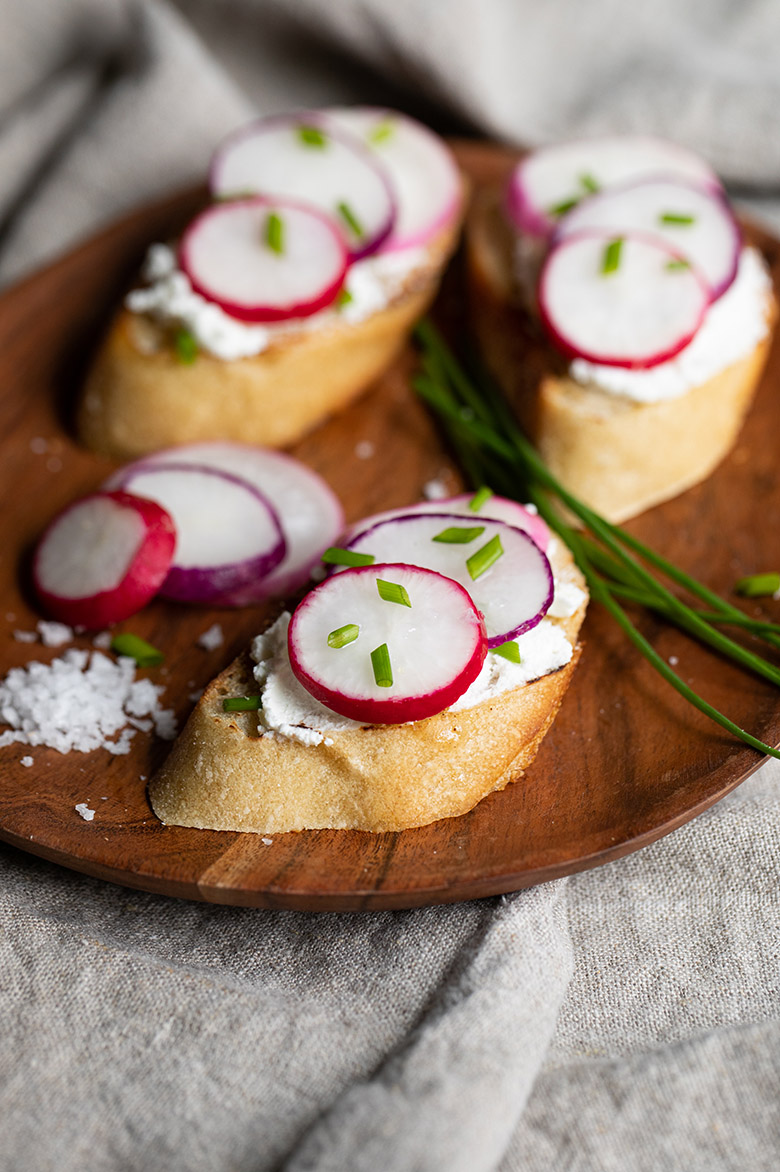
(626, 761)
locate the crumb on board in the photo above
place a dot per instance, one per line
(435, 490)
(38, 445)
(211, 639)
(102, 640)
(54, 634)
(26, 636)
(26, 761)
(365, 450)
(267, 841)
(83, 810)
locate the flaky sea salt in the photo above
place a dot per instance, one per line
(83, 809)
(54, 634)
(212, 638)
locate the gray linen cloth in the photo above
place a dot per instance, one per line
(627, 1018)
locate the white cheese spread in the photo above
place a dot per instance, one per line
(169, 300)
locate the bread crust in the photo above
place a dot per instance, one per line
(620, 457)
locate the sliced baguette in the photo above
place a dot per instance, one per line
(620, 457)
(223, 775)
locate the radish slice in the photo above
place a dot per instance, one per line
(309, 512)
(103, 558)
(264, 261)
(513, 594)
(435, 645)
(499, 508)
(638, 315)
(694, 223)
(228, 534)
(548, 182)
(306, 158)
(422, 170)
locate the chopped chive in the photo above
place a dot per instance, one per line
(392, 592)
(186, 346)
(312, 136)
(343, 635)
(349, 218)
(242, 703)
(382, 131)
(560, 209)
(508, 650)
(677, 265)
(590, 184)
(758, 585)
(484, 558)
(611, 261)
(681, 218)
(335, 556)
(134, 647)
(458, 536)
(343, 297)
(274, 233)
(480, 497)
(380, 662)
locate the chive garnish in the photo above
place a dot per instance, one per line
(560, 209)
(681, 218)
(480, 497)
(392, 592)
(380, 662)
(677, 265)
(343, 297)
(312, 136)
(508, 650)
(335, 556)
(242, 703)
(382, 132)
(481, 561)
(134, 647)
(758, 585)
(349, 218)
(186, 346)
(458, 536)
(274, 233)
(590, 184)
(611, 261)
(343, 635)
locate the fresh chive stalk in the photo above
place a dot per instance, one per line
(758, 585)
(242, 704)
(485, 557)
(382, 132)
(383, 670)
(677, 265)
(682, 219)
(611, 260)
(134, 647)
(459, 536)
(349, 218)
(312, 136)
(590, 184)
(566, 205)
(342, 636)
(343, 297)
(274, 233)
(186, 346)
(335, 556)
(392, 592)
(480, 498)
(508, 650)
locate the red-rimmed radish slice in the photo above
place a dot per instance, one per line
(549, 182)
(309, 512)
(306, 158)
(620, 301)
(228, 534)
(503, 570)
(695, 223)
(262, 261)
(103, 558)
(499, 508)
(380, 661)
(423, 173)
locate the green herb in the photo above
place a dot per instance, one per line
(458, 536)
(343, 297)
(681, 218)
(343, 635)
(481, 561)
(611, 261)
(138, 649)
(382, 132)
(758, 585)
(677, 265)
(566, 205)
(312, 136)
(335, 556)
(508, 651)
(274, 233)
(480, 498)
(349, 218)
(590, 184)
(380, 662)
(241, 704)
(615, 564)
(392, 592)
(185, 345)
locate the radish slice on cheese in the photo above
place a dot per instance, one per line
(503, 570)
(549, 182)
(620, 301)
(499, 508)
(228, 534)
(103, 558)
(422, 171)
(695, 223)
(264, 261)
(386, 656)
(308, 159)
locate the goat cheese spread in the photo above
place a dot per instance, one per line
(169, 299)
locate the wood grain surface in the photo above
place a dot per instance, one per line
(626, 761)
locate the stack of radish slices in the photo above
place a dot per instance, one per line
(639, 239)
(298, 199)
(217, 524)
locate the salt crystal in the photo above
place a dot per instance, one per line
(364, 450)
(435, 490)
(54, 634)
(26, 761)
(212, 638)
(83, 809)
(673, 660)
(267, 841)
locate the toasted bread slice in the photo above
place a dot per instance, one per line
(222, 774)
(619, 456)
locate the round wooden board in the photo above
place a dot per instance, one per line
(626, 760)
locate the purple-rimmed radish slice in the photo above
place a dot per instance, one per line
(548, 183)
(309, 512)
(228, 534)
(695, 223)
(620, 301)
(423, 173)
(498, 508)
(306, 158)
(503, 570)
(103, 558)
(263, 261)
(385, 644)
